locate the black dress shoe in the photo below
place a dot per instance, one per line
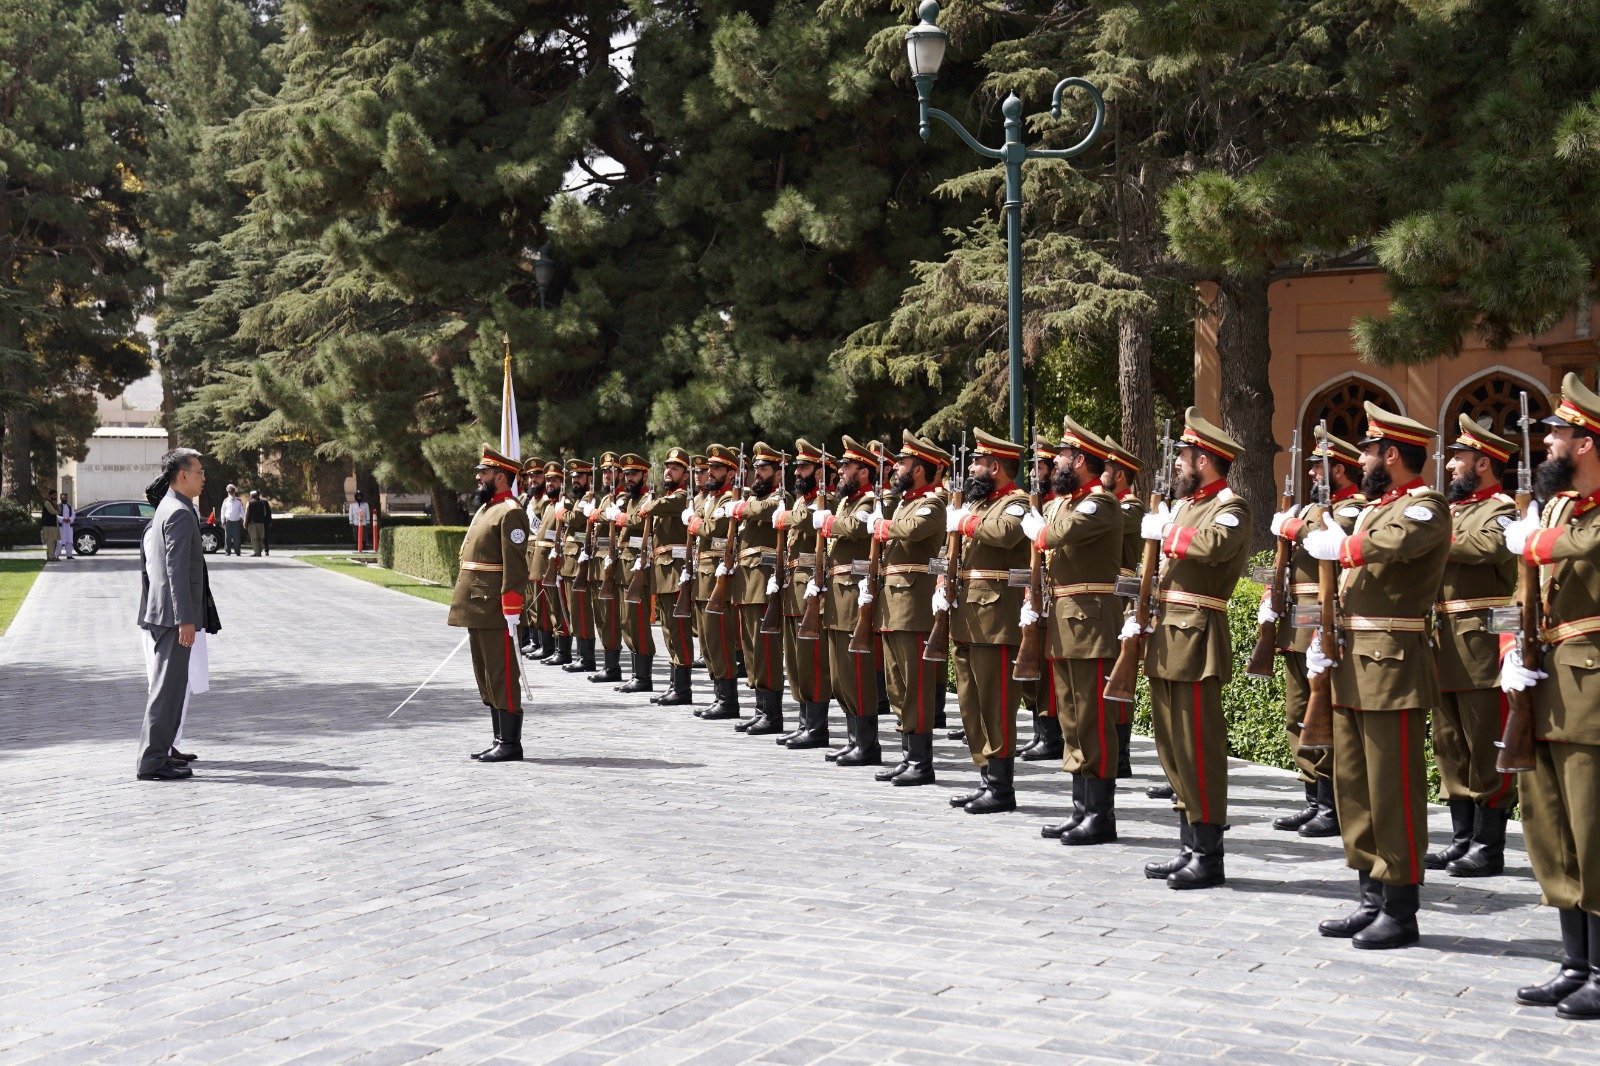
(180, 756)
(1159, 792)
(167, 773)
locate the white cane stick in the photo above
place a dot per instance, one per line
(431, 676)
(527, 690)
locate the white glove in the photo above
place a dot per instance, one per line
(863, 592)
(720, 513)
(688, 513)
(1514, 676)
(813, 589)
(1032, 525)
(588, 508)
(606, 564)
(1325, 543)
(722, 570)
(953, 519)
(1518, 532)
(1279, 520)
(862, 516)
(1130, 628)
(613, 512)
(873, 522)
(683, 578)
(779, 517)
(1316, 662)
(1265, 613)
(772, 585)
(819, 516)
(940, 603)
(1029, 616)
(583, 556)
(1153, 526)
(638, 563)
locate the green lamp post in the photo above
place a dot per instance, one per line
(925, 48)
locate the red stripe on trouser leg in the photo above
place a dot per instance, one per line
(922, 687)
(1100, 712)
(1405, 798)
(1047, 678)
(510, 703)
(1200, 755)
(1505, 779)
(861, 704)
(1006, 723)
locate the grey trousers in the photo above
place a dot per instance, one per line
(163, 712)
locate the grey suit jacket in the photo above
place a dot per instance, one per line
(173, 591)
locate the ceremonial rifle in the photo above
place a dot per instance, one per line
(609, 574)
(772, 617)
(1516, 744)
(861, 642)
(1027, 666)
(1266, 650)
(937, 650)
(552, 563)
(683, 606)
(647, 543)
(810, 627)
(1125, 672)
(1316, 729)
(580, 583)
(718, 603)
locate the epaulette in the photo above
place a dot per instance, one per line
(1502, 497)
(1418, 491)
(1227, 494)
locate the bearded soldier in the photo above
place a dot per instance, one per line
(1319, 817)
(578, 600)
(756, 541)
(983, 619)
(1205, 539)
(488, 599)
(1081, 533)
(719, 633)
(1121, 480)
(669, 537)
(1386, 680)
(1047, 742)
(627, 518)
(1561, 796)
(547, 541)
(603, 572)
(911, 534)
(805, 661)
(1479, 575)
(532, 501)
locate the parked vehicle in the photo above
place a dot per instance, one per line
(121, 523)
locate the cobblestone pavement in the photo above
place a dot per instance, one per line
(336, 886)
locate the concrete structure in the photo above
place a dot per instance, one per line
(122, 460)
(1316, 372)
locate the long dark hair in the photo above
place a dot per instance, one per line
(171, 464)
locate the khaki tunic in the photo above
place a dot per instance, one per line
(855, 677)
(805, 661)
(985, 625)
(758, 540)
(636, 617)
(493, 563)
(719, 633)
(1133, 512)
(604, 594)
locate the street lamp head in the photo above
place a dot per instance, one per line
(926, 42)
(544, 267)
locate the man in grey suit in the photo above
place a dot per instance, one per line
(171, 606)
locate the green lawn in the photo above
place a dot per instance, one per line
(16, 578)
(341, 564)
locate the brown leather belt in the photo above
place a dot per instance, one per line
(986, 575)
(920, 569)
(1565, 631)
(1304, 588)
(1482, 603)
(1193, 599)
(1369, 624)
(486, 568)
(1084, 588)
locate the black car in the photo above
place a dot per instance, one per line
(121, 523)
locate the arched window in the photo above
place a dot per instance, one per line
(1341, 403)
(1493, 400)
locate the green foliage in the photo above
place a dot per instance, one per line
(18, 526)
(432, 553)
(1254, 707)
(323, 530)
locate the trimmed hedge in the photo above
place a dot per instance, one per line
(427, 552)
(321, 530)
(18, 525)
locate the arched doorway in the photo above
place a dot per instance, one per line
(1342, 402)
(1493, 400)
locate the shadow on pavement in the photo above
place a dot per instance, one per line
(611, 763)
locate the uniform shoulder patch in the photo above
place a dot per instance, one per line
(1418, 513)
(924, 512)
(1016, 510)
(1504, 520)
(1227, 494)
(519, 535)
(1349, 512)
(1229, 519)
(1089, 507)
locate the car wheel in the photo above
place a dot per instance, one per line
(210, 541)
(86, 543)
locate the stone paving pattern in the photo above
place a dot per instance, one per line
(335, 886)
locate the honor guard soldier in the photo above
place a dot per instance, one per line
(607, 597)
(1386, 680)
(669, 538)
(1081, 533)
(1047, 742)
(488, 598)
(719, 633)
(1480, 574)
(1561, 796)
(983, 619)
(855, 677)
(1121, 479)
(805, 661)
(757, 544)
(628, 517)
(911, 534)
(1205, 541)
(531, 480)
(549, 544)
(578, 597)
(1319, 817)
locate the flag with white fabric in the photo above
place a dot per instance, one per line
(510, 435)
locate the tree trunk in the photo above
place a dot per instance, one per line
(1243, 355)
(367, 485)
(447, 510)
(1138, 398)
(329, 486)
(16, 450)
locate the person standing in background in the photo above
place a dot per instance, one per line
(256, 517)
(49, 525)
(233, 523)
(360, 519)
(64, 537)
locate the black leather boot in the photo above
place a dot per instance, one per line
(892, 772)
(761, 712)
(770, 703)
(494, 720)
(867, 752)
(1060, 829)
(612, 672)
(919, 765)
(585, 659)
(536, 648)
(1002, 794)
(978, 793)
(1163, 791)
(1125, 759)
(563, 654)
(1034, 741)
(1099, 825)
(814, 734)
(1462, 816)
(1325, 823)
(509, 747)
(642, 680)
(1048, 742)
(1486, 855)
(883, 708)
(680, 690)
(1574, 972)
(1205, 865)
(1369, 902)
(1585, 1002)
(1157, 870)
(1289, 822)
(1396, 924)
(727, 705)
(851, 723)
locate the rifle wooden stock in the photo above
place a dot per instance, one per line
(1266, 649)
(810, 627)
(1124, 678)
(937, 650)
(1316, 728)
(638, 578)
(1516, 742)
(722, 589)
(772, 617)
(861, 642)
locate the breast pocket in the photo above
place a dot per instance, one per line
(1377, 648)
(484, 587)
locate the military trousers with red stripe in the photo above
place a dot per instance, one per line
(855, 677)
(913, 684)
(497, 668)
(1466, 726)
(637, 631)
(1380, 789)
(1191, 735)
(676, 633)
(989, 699)
(719, 640)
(763, 652)
(1075, 695)
(1311, 762)
(806, 663)
(607, 612)
(580, 609)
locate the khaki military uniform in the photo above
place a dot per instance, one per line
(855, 677)
(1479, 574)
(805, 661)
(636, 616)
(1133, 512)
(577, 600)
(1386, 681)
(1189, 657)
(758, 541)
(604, 593)
(984, 624)
(905, 607)
(669, 540)
(493, 564)
(536, 612)
(719, 633)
